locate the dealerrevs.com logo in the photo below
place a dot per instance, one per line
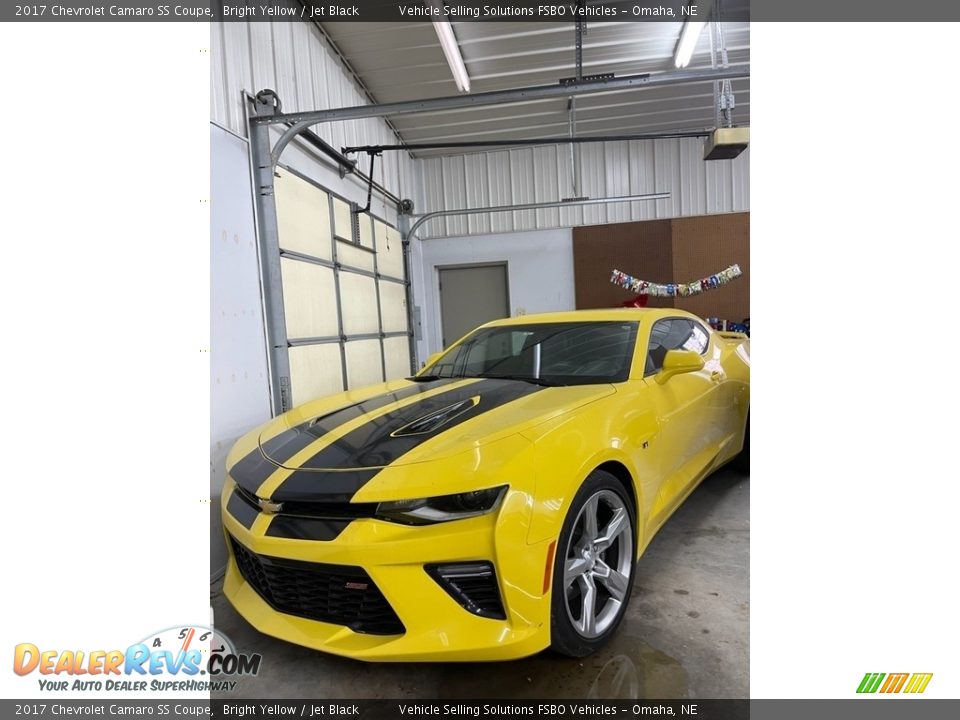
(894, 683)
(183, 658)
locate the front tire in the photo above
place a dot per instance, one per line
(593, 570)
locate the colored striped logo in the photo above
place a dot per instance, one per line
(894, 682)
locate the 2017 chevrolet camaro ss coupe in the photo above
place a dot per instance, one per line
(492, 506)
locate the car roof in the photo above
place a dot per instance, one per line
(598, 315)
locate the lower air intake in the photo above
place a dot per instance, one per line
(473, 585)
(336, 594)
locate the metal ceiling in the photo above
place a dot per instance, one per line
(403, 61)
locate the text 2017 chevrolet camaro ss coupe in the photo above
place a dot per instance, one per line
(492, 506)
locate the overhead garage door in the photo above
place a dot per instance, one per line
(344, 292)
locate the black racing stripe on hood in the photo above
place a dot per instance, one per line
(252, 470)
(358, 456)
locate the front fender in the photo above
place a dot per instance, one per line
(552, 499)
(567, 451)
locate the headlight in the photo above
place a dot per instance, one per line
(443, 508)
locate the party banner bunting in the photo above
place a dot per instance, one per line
(642, 287)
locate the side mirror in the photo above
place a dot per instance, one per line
(433, 358)
(677, 362)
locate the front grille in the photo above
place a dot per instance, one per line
(321, 510)
(337, 594)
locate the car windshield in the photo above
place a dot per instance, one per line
(572, 353)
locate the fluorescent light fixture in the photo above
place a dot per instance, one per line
(451, 50)
(689, 35)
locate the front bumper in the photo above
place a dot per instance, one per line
(435, 625)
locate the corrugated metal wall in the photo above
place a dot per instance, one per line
(295, 60)
(617, 168)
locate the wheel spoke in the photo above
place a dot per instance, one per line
(590, 510)
(615, 582)
(574, 568)
(588, 616)
(618, 523)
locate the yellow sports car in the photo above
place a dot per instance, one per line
(495, 504)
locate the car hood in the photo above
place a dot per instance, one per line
(328, 450)
(415, 422)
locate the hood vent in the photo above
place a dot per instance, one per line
(436, 419)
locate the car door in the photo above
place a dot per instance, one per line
(685, 406)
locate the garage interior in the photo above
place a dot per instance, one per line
(373, 199)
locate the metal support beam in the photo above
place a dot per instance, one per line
(529, 142)
(574, 147)
(572, 106)
(303, 120)
(274, 317)
(404, 222)
(421, 219)
(578, 43)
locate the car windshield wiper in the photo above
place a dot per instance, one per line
(424, 378)
(523, 378)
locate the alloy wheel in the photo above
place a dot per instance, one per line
(597, 564)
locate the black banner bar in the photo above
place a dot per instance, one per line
(370, 10)
(872, 708)
(592, 11)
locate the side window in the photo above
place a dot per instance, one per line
(673, 334)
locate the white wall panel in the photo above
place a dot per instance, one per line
(593, 179)
(666, 164)
(308, 299)
(363, 363)
(354, 256)
(477, 191)
(643, 178)
(455, 191)
(315, 371)
(389, 250)
(616, 164)
(303, 216)
(500, 191)
(393, 307)
(218, 91)
(366, 231)
(526, 175)
(523, 183)
(544, 185)
(239, 387)
(396, 352)
(358, 303)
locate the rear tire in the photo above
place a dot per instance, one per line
(594, 567)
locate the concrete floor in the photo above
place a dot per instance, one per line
(685, 635)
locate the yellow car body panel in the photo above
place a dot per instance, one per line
(660, 438)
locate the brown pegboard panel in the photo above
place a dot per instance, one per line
(707, 244)
(641, 249)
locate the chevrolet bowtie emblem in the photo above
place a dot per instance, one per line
(269, 507)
